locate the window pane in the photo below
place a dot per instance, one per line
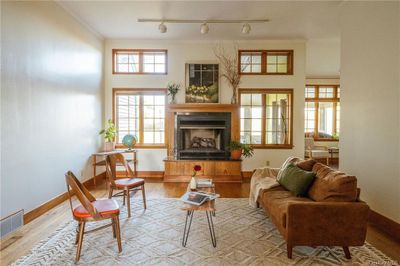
(256, 59)
(127, 109)
(122, 58)
(158, 68)
(271, 68)
(256, 125)
(256, 99)
(134, 58)
(271, 59)
(148, 68)
(310, 92)
(282, 68)
(245, 59)
(122, 68)
(256, 68)
(325, 123)
(148, 137)
(133, 68)
(148, 100)
(159, 100)
(148, 111)
(245, 99)
(148, 58)
(159, 59)
(245, 68)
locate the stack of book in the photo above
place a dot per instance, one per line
(201, 183)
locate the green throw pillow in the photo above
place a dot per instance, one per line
(296, 180)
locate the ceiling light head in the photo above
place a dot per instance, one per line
(246, 28)
(162, 28)
(204, 28)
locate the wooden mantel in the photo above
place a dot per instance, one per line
(172, 109)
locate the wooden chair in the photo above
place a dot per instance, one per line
(127, 184)
(91, 210)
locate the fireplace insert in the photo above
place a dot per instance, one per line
(202, 135)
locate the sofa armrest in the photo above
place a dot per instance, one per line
(327, 223)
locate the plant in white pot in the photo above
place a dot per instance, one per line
(109, 135)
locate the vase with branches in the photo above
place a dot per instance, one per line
(229, 63)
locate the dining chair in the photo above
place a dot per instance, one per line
(127, 184)
(91, 210)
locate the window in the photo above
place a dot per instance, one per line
(130, 61)
(266, 62)
(266, 117)
(322, 112)
(250, 62)
(140, 112)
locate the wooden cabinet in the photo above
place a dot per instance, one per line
(219, 171)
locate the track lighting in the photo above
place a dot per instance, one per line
(246, 28)
(162, 28)
(204, 28)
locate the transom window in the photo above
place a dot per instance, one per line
(142, 114)
(322, 112)
(265, 117)
(134, 61)
(266, 62)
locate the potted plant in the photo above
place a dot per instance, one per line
(173, 89)
(109, 135)
(238, 149)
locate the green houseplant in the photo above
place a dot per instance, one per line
(109, 135)
(173, 89)
(238, 149)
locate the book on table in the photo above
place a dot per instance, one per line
(204, 183)
(198, 198)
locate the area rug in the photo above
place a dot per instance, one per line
(245, 236)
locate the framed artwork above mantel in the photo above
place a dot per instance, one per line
(202, 82)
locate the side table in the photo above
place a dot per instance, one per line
(208, 207)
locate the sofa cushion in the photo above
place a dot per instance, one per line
(331, 185)
(296, 180)
(275, 201)
(306, 165)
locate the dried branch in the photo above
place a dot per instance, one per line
(229, 63)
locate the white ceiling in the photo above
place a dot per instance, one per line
(289, 19)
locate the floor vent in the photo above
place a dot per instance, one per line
(11, 223)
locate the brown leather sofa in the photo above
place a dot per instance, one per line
(331, 215)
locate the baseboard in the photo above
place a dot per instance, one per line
(33, 214)
(384, 224)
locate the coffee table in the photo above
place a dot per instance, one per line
(208, 207)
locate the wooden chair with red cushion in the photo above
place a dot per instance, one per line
(91, 210)
(127, 184)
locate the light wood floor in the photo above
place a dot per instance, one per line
(23, 240)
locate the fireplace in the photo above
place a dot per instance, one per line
(202, 135)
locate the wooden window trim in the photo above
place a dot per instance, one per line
(140, 51)
(264, 53)
(317, 100)
(289, 91)
(140, 91)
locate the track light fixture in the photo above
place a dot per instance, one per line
(246, 28)
(204, 28)
(162, 28)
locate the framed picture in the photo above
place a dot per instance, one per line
(202, 83)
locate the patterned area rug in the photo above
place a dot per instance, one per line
(245, 236)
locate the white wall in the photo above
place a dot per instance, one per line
(51, 102)
(181, 52)
(370, 102)
(323, 58)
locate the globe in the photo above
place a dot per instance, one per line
(129, 141)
